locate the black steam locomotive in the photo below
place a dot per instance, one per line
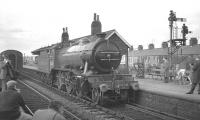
(87, 66)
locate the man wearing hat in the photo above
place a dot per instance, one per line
(12, 85)
(10, 103)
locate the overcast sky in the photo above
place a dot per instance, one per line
(26, 25)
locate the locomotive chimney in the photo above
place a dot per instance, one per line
(95, 17)
(96, 25)
(65, 36)
(66, 30)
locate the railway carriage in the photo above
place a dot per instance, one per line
(16, 60)
(15, 57)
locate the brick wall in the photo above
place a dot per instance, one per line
(173, 105)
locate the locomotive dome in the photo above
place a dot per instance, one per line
(84, 41)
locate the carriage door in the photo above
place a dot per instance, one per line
(12, 58)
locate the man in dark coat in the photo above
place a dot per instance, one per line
(10, 103)
(195, 76)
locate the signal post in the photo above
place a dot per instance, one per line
(175, 44)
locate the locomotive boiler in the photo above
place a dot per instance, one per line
(96, 53)
(87, 66)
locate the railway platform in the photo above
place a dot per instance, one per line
(172, 88)
(169, 98)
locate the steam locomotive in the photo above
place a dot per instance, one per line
(87, 66)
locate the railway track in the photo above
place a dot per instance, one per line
(140, 113)
(36, 100)
(33, 98)
(122, 112)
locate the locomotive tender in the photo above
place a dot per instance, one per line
(87, 66)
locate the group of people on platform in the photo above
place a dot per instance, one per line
(12, 104)
(194, 74)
